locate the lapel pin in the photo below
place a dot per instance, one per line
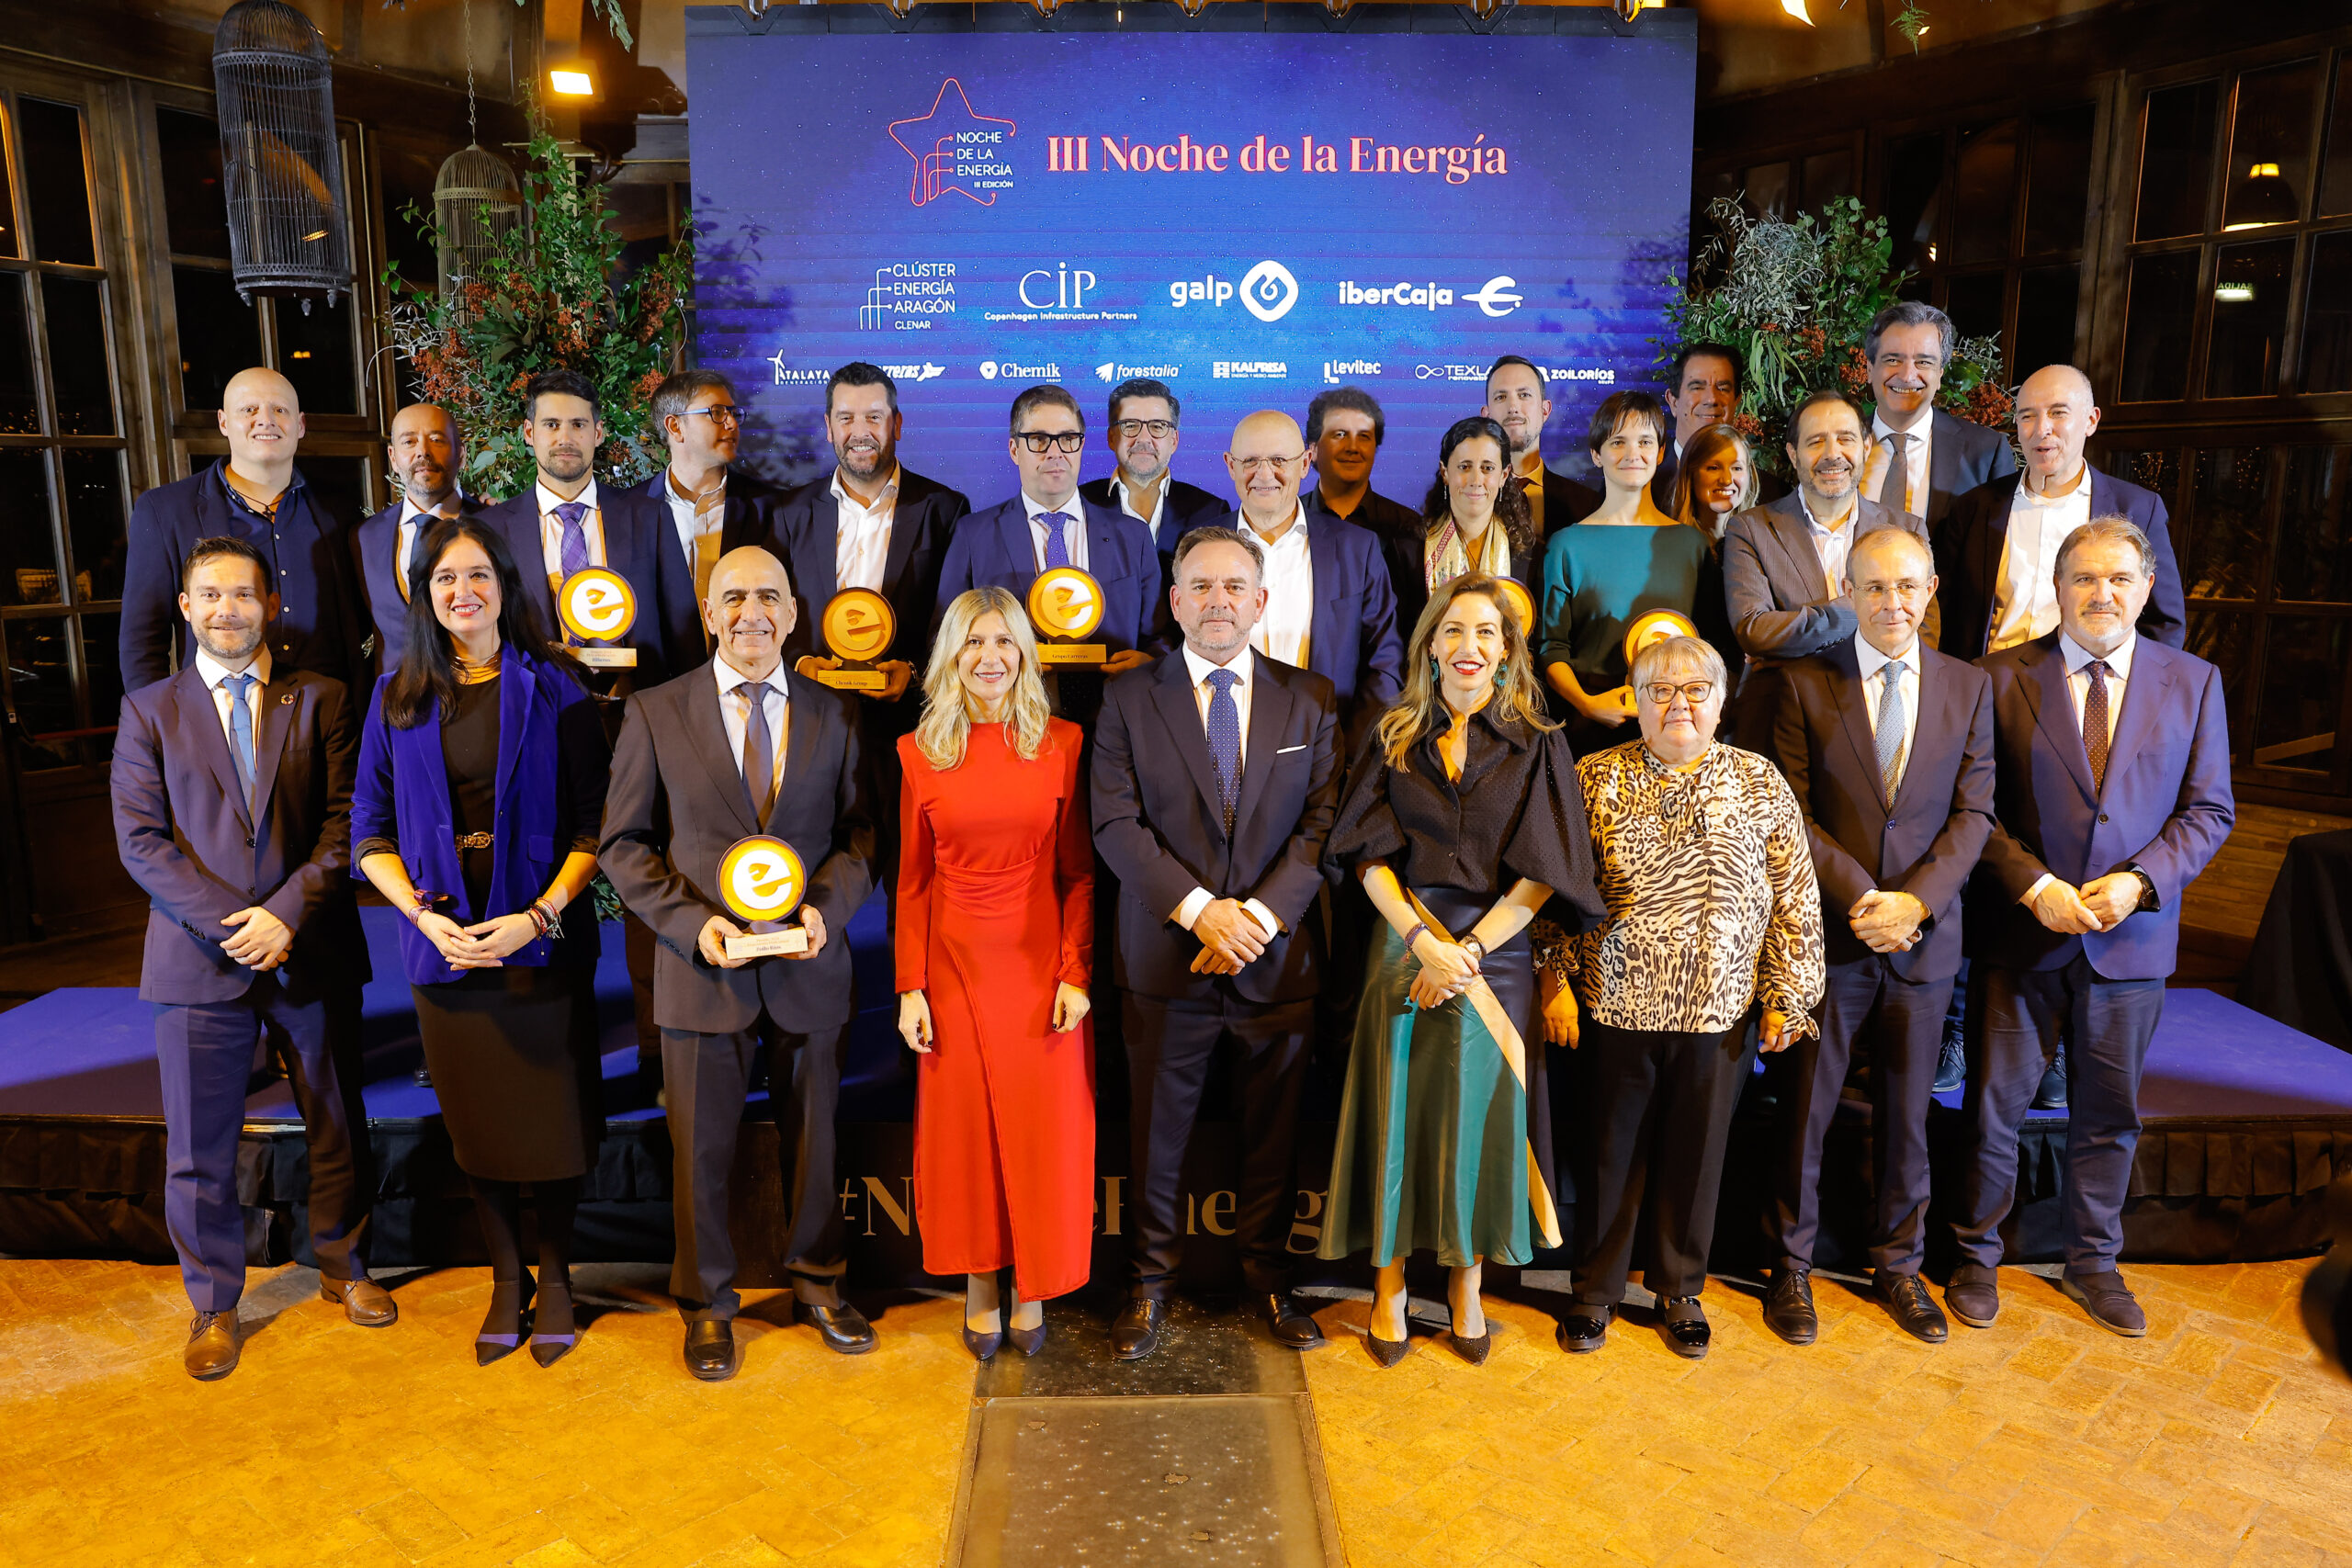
(286, 698)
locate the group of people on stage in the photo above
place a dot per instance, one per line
(1393, 779)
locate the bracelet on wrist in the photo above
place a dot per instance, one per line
(1419, 926)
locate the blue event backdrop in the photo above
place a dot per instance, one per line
(1251, 207)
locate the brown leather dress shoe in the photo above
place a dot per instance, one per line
(1974, 1294)
(211, 1350)
(365, 1302)
(2109, 1301)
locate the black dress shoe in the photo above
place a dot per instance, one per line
(212, 1349)
(1584, 1329)
(1914, 1310)
(1951, 1066)
(1974, 1294)
(710, 1348)
(2052, 1094)
(843, 1327)
(1286, 1323)
(1684, 1321)
(1787, 1306)
(1135, 1332)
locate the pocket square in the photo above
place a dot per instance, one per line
(1288, 749)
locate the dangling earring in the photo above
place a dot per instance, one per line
(1502, 673)
(1436, 672)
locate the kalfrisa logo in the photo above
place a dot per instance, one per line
(1012, 370)
(1113, 371)
(1250, 370)
(956, 149)
(1267, 290)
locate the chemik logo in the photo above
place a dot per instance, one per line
(1064, 288)
(1115, 371)
(925, 372)
(1250, 370)
(1012, 370)
(1496, 297)
(955, 149)
(1337, 370)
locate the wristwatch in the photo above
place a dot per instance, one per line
(2148, 899)
(1476, 949)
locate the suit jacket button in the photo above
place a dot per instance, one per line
(2102, 816)
(249, 839)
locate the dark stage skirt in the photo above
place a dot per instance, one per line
(513, 1054)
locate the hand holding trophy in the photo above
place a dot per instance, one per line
(760, 882)
(858, 625)
(1065, 606)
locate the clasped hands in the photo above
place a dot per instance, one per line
(262, 940)
(712, 942)
(1231, 938)
(1447, 970)
(1887, 921)
(478, 946)
(2099, 905)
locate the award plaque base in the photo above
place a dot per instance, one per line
(768, 944)
(1073, 653)
(853, 680)
(606, 658)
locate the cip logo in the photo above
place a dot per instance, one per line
(1269, 291)
(1064, 288)
(1495, 297)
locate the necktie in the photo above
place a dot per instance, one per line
(2095, 722)
(1890, 728)
(1894, 485)
(1057, 547)
(241, 729)
(1224, 741)
(574, 547)
(759, 746)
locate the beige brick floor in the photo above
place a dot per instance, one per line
(2216, 1439)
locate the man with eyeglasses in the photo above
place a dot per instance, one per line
(1517, 400)
(1920, 458)
(1888, 748)
(1047, 525)
(1143, 437)
(714, 508)
(1329, 606)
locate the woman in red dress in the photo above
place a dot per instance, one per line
(996, 924)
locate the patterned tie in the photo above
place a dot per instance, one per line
(1057, 547)
(759, 746)
(575, 537)
(1224, 741)
(1890, 729)
(241, 729)
(2095, 722)
(1897, 478)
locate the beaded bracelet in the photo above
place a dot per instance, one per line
(1414, 934)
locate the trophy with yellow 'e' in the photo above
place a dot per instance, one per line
(1521, 603)
(858, 625)
(1065, 606)
(597, 608)
(760, 882)
(1655, 626)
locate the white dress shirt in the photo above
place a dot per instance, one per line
(2078, 687)
(551, 530)
(701, 522)
(730, 712)
(1280, 633)
(404, 537)
(213, 672)
(1911, 493)
(1073, 531)
(1877, 669)
(1199, 669)
(1158, 505)
(861, 535)
(2025, 598)
(1832, 540)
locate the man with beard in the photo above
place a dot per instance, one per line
(427, 455)
(1344, 430)
(256, 494)
(713, 508)
(1784, 565)
(1143, 437)
(1516, 401)
(1921, 457)
(232, 785)
(1705, 392)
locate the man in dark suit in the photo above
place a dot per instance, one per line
(1994, 550)
(1704, 390)
(711, 507)
(1142, 435)
(743, 746)
(1344, 429)
(2111, 793)
(1216, 780)
(427, 455)
(1516, 399)
(1784, 565)
(1921, 458)
(232, 785)
(1331, 606)
(256, 494)
(1047, 526)
(1888, 746)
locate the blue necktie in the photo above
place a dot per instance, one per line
(574, 546)
(1057, 547)
(1224, 741)
(1890, 728)
(241, 729)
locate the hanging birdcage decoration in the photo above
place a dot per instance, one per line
(476, 203)
(281, 164)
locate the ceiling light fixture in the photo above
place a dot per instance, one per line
(1796, 8)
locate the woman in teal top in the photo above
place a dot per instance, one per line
(1613, 568)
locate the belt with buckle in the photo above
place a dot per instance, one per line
(473, 840)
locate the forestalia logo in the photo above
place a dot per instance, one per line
(956, 149)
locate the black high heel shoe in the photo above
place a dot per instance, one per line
(555, 1306)
(502, 1326)
(1472, 1350)
(1385, 1352)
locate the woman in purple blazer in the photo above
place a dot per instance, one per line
(481, 791)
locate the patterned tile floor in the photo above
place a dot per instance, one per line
(2218, 1438)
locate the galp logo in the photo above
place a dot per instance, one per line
(1269, 291)
(1495, 297)
(955, 149)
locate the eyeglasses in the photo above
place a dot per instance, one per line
(1044, 441)
(1158, 429)
(717, 413)
(1695, 692)
(1252, 466)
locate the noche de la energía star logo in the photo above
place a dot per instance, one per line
(957, 149)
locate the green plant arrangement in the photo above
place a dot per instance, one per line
(1792, 297)
(550, 296)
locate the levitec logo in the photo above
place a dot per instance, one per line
(1337, 370)
(1268, 290)
(1012, 370)
(1115, 371)
(955, 149)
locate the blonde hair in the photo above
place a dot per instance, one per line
(1703, 446)
(1421, 709)
(947, 722)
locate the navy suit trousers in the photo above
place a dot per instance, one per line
(205, 1054)
(2105, 1026)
